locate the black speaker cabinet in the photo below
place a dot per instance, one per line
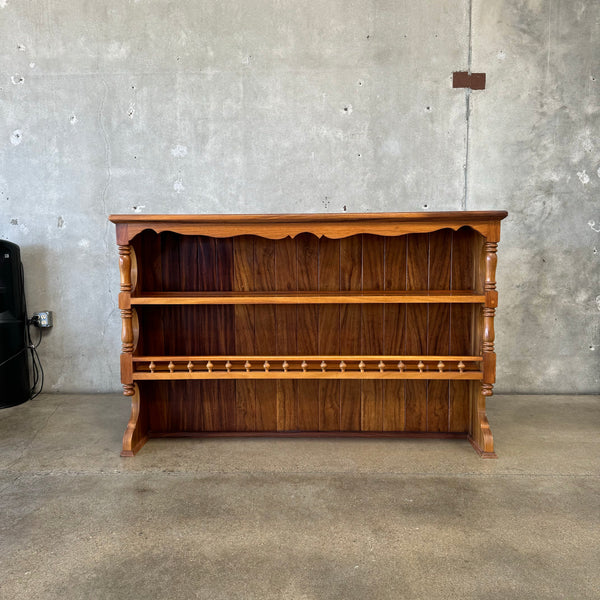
(14, 364)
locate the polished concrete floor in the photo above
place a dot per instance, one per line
(299, 518)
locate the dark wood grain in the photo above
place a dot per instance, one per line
(438, 329)
(329, 332)
(350, 329)
(307, 249)
(394, 331)
(372, 331)
(243, 280)
(461, 322)
(265, 331)
(417, 278)
(286, 279)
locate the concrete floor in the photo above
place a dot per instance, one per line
(299, 518)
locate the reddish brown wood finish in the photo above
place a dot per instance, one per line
(330, 288)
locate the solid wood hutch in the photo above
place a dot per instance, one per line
(308, 324)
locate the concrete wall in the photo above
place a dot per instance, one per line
(156, 106)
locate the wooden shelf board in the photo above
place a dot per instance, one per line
(371, 297)
(158, 375)
(333, 358)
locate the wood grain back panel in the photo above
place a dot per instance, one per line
(372, 330)
(243, 281)
(307, 252)
(394, 332)
(350, 329)
(329, 332)
(265, 332)
(440, 260)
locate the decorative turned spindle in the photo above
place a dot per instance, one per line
(171, 366)
(323, 366)
(381, 366)
(304, 366)
(420, 366)
(488, 329)
(126, 330)
(342, 366)
(361, 366)
(190, 366)
(209, 366)
(461, 366)
(286, 366)
(491, 260)
(401, 367)
(228, 366)
(152, 366)
(125, 267)
(440, 366)
(266, 366)
(247, 366)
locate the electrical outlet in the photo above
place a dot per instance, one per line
(43, 319)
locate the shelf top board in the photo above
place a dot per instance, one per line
(333, 225)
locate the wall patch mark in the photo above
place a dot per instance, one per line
(17, 137)
(583, 177)
(592, 224)
(179, 151)
(17, 79)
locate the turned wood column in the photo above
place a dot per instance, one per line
(489, 311)
(125, 262)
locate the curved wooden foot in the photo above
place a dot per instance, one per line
(136, 433)
(486, 449)
(480, 434)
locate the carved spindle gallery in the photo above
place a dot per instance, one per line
(304, 366)
(420, 366)
(171, 366)
(441, 366)
(323, 366)
(152, 366)
(361, 366)
(381, 366)
(247, 366)
(266, 366)
(285, 366)
(228, 366)
(209, 366)
(461, 366)
(342, 366)
(401, 367)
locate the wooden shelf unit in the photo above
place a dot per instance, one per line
(289, 325)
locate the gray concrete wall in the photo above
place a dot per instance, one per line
(277, 106)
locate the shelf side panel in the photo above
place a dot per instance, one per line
(461, 322)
